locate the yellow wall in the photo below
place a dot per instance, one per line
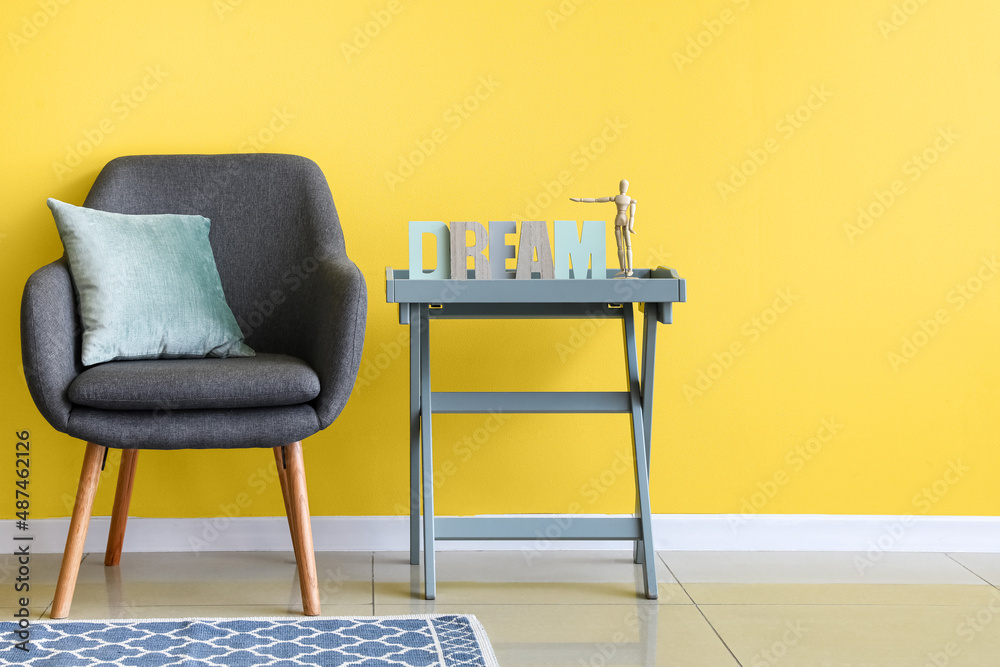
(592, 93)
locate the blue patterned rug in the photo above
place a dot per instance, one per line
(407, 641)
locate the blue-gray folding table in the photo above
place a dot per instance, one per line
(420, 301)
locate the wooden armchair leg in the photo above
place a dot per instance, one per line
(89, 476)
(119, 513)
(283, 480)
(302, 529)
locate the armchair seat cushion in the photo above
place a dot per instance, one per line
(182, 384)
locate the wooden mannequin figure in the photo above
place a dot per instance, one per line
(623, 229)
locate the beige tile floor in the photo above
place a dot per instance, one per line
(582, 608)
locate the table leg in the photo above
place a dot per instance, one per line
(414, 434)
(649, 323)
(639, 446)
(430, 584)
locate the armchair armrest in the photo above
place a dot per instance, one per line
(332, 332)
(50, 340)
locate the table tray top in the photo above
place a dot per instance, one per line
(659, 285)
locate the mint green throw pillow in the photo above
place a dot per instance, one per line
(147, 286)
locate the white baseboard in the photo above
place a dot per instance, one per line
(672, 532)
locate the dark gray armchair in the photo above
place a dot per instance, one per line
(300, 301)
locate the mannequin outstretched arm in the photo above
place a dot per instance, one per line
(590, 200)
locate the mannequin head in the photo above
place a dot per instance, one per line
(623, 186)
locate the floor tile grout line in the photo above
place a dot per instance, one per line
(948, 555)
(724, 643)
(700, 610)
(663, 560)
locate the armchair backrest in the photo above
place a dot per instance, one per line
(273, 219)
